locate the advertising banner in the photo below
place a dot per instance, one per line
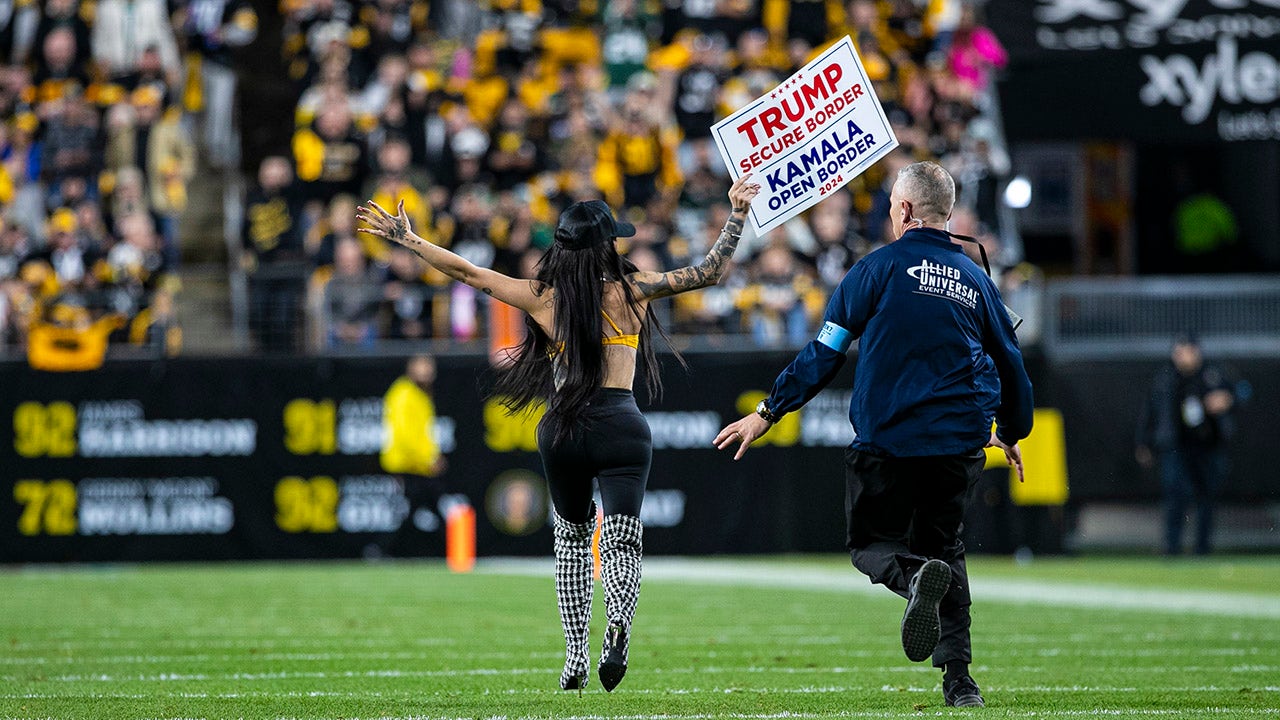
(807, 137)
(194, 459)
(1147, 70)
(251, 458)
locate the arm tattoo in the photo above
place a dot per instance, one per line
(707, 272)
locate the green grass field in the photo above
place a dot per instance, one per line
(768, 638)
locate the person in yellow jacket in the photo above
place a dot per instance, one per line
(410, 450)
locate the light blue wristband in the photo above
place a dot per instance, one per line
(835, 337)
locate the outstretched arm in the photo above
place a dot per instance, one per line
(522, 294)
(649, 285)
(851, 306)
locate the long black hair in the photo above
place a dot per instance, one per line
(574, 273)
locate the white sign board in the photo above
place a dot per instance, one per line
(808, 137)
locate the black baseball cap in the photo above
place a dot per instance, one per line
(590, 223)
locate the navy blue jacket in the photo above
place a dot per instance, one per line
(937, 359)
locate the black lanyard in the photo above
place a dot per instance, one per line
(981, 250)
(1014, 317)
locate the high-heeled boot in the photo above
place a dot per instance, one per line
(621, 547)
(575, 583)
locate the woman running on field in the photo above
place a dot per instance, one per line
(588, 318)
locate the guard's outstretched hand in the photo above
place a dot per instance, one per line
(744, 432)
(1012, 453)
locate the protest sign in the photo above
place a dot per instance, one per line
(808, 137)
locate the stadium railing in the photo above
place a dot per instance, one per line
(1137, 318)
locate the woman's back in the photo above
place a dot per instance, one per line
(620, 329)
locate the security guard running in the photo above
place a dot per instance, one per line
(937, 360)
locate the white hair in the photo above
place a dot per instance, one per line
(929, 188)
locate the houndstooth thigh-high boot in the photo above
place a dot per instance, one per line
(621, 547)
(575, 583)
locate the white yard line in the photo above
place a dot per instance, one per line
(168, 677)
(822, 690)
(1064, 594)
(888, 653)
(247, 642)
(271, 657)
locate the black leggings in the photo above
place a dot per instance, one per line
(611, 443)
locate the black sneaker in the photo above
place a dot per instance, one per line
(962, 692)
(613, 661)
(921, 626)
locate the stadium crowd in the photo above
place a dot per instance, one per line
(484, 118)
(487, 118)
(99, 102)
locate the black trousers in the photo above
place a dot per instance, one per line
(1186, 473)
(905, 511)
(611, 443)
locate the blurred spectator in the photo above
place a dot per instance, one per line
(70, 148)
(387, 84)
(128, 195)
(697, 92)
(272, 255)
(352, 297)
(331, 158)
(393, 185)
(514, 157)
(92, 228)
(73, 15)
(214, 30)
(339, 224)
(473, 225)
(18, 30)
(409, 301)
(974, 51)
(156, 328)
(629, 27)
(807, 22)
(60, 70)
(134, 266)
(411, 451)
(393, 25)
(22, 155)
(837, 244)
(124, 29)
(636, 164)
(15, 246)
(149, 74)
(1186, 426)
(781, 299)
(71, 263)
(465, 166)
(143, 136)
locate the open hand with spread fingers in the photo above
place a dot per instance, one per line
(383, 224)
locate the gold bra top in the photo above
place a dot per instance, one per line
(631, 341)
